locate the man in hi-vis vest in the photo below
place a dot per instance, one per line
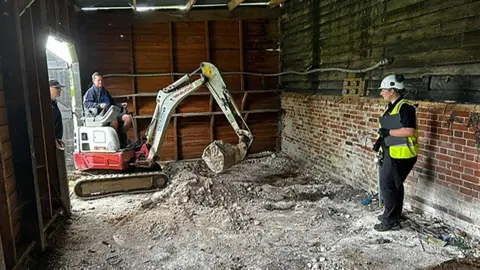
(398, 143)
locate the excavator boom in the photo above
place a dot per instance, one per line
(168, 99)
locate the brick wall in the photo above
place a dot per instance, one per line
(335, 135)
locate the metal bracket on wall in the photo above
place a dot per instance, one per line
(353, 87)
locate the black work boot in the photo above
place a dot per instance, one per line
(383, 228)
(380, 218)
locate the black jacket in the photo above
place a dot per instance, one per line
(57, 121)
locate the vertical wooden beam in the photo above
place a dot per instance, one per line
(39, 21)
(67, 22)
(212, 118)
(7, 258)
(20, 122)
(57, 15)
(207, 40)
(175, 136)
(2, 258)
(9, 253)
(242, 68)
(170, 32)
(172, 70)
(212, 130)
(134, 69)
(38, 122)
(210, 101)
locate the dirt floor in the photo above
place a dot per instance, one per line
(265, 213)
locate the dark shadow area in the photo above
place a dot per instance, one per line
(457, 264)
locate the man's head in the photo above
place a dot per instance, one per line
(97, 80)
(55, 89)
(391, 87)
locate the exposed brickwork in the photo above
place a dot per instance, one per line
(336, 135)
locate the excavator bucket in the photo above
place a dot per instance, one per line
(220, 155)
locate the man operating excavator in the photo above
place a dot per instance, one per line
(97, 101)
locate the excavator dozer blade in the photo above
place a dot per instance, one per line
(220, 155)
(97, 186)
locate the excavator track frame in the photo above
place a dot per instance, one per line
(106, 185)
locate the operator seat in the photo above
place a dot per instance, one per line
(103, 119)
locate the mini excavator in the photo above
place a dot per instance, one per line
(136, 168)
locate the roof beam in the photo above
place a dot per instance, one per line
(234, 3)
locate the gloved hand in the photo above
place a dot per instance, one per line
(384, 132)
(376, 146)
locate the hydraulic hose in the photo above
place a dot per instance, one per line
(380, 63)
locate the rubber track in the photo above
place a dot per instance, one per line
(85, 180)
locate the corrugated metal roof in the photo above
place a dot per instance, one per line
(150, 3)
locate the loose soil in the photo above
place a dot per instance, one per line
(265, 213)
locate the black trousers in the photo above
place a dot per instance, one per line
(393, 174)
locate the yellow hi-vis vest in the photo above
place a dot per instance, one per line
(400, 147)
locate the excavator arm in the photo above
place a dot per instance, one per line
(217, 156)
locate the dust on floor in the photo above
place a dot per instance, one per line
(265, 213)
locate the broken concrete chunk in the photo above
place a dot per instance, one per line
(220, 155)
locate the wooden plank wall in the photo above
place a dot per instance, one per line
(8, 192)
(435, 44)
(144, 47)
(28, 167)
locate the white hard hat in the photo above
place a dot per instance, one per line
(392, 81)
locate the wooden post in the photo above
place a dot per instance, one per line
(172, 67)
(172, 70)
(207, 40)
(35, 95)
(134, 69)
(242, 68)
(39, 23)
(212, 130)
(20, 122)
(67, 22)
(9, 253)
(57, 15)
(175, 137)
(212, 119)
(2, 258)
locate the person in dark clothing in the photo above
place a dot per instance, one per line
(55, 92)
(97, 97)
(398, 143)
